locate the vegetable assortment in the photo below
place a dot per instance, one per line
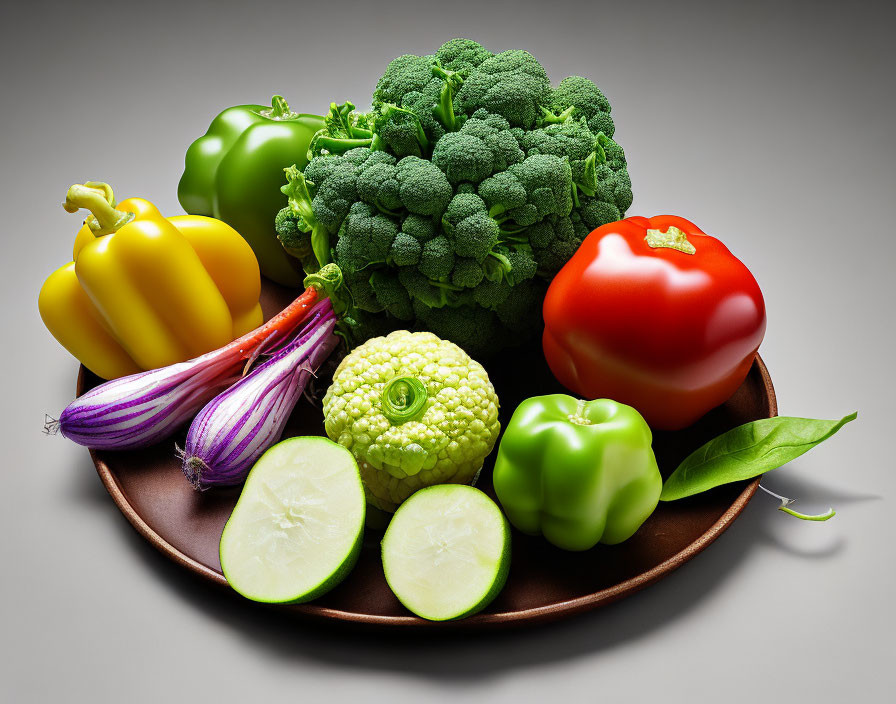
(470, 204)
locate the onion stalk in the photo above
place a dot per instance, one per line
(237, 426)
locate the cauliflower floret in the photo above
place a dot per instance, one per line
(415, 410)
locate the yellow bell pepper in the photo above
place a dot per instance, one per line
(144, 291)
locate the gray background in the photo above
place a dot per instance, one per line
(769, 124)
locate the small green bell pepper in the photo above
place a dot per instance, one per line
(234, 173)
(578, 472)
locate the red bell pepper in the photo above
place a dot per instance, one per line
(656, 314)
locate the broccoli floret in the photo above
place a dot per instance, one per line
(614, 186)
(423, 188)
(295, 241)
(362, 294)
(416, 84)
(527, 192)
(554, 240)
(437, 258)
(571, 139)
(462, 55)
(420, 228)
(392, 295)
(302, 217)
(472, 231)
(463, 157)
(467, 273)
(511, 265)
(406, 250)
(401, 131)
(491, 294)
(421, 289)
(483, 146)
(578, 97)
(365, 238)
(378, 186)
(335, 194)
(512, 84)
(403, 75)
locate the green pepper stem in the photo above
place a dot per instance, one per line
(403, 398)
(279, 109)
(579, 417)
(97, 197)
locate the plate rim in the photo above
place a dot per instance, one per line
(537, 614)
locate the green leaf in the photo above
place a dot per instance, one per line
(747, 451)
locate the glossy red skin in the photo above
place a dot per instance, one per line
(670, 333)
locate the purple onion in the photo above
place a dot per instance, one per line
(238, 425)
(142, 409)
(145, 408)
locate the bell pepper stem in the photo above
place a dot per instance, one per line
(97, 197)
(671, 238)
(279, 109)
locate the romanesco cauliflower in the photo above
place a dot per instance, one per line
(415, 410)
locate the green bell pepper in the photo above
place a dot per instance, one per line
(234, 173)
(578, 472)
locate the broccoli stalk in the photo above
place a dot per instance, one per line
(549, 117)
(299, 199)
(344, 130)
(444, 109)
(341, 121)
(586, 181)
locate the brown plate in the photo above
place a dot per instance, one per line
(544, 583)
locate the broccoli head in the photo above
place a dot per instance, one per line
(455, 200)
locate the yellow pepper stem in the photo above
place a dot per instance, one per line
(97, 197)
